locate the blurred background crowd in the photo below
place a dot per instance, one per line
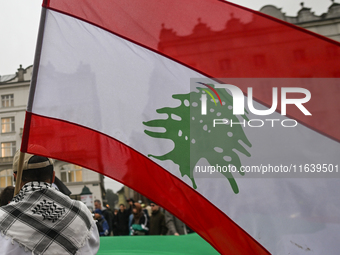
(137, 219)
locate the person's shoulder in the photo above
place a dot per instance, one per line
(81, 205)
(67, 198)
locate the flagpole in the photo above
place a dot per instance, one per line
(30, 100)
(19, 173)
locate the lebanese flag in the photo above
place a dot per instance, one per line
(111, 91)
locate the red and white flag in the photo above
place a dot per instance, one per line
(111, 92)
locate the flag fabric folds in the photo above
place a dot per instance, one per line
(110, 92)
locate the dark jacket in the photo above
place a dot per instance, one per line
(103, 227)
(157, 224)
(139, 226)
(122, 223)
(108, 217)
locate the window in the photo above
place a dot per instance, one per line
(7, 125)
(8, 149)
(7, 100)
(71, 173)
(6, 178)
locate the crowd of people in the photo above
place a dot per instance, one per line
(137, 219)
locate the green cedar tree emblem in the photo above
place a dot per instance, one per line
(195, 137)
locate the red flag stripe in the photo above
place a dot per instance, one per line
(130, 168)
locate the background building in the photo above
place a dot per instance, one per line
(327, 24)
(14, 91)
(126, 193)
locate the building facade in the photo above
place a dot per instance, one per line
(326, 24)
(126, 193)
(14, 91)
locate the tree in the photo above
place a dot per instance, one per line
(195, 136)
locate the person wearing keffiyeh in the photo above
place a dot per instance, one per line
(41, 219)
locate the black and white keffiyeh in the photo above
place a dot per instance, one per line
(44, 220)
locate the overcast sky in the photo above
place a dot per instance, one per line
(19, 21)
